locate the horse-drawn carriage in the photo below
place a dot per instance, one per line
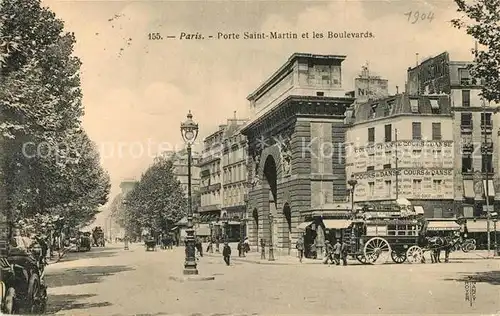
(150, 244)
(374, 237)
(23, 290)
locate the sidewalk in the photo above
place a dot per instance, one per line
(254, 257)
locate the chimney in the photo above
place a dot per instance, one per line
(416, 56)
(234, 115)
(397, 89)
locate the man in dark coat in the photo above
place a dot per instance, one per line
(343, 252)
(226, 252)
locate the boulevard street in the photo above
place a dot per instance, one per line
(113, 281)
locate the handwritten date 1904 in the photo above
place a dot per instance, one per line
(416, 16)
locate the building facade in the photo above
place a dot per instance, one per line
(475, 131)
(402, 147)
(180, 165)
(211, 190)
(235, 179)
(295, 178)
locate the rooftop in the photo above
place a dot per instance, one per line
(289, 63)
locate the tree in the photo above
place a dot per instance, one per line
(157, 201)
(481, 20)
(41, 108)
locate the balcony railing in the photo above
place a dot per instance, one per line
(487, 148)
(467, 148)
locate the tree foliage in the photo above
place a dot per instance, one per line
(156, 202)
(49, 163)
(481, 20)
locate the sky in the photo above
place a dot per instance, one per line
(137, 91)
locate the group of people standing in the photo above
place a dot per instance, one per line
(334, 253)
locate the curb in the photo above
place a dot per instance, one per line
(265, 261)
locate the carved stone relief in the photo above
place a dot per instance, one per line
(478, 184)
(286, 157)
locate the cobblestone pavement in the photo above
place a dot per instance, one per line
(113, 281)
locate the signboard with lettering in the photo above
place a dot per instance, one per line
(373, 88)
(418, 183)
(431, 76)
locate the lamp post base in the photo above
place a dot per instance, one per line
(190, 262)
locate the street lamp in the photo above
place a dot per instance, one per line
(271, 246)
(189, 132)
(211, 237)
(353, 182)
(125, 238)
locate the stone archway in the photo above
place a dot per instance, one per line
(270, 173)
(287, 227)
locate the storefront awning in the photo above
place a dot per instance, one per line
(304, 225)
(203, 230)
(479, 226)
(491, 189)
(443, 225)
(469, 188)
(419, 209)
(336, 223)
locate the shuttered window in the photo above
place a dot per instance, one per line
(436, 131)
(416, 130)
(388, 133)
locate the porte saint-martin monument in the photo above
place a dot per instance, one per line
(295, 149)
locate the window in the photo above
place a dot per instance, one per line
(387, 166)
(417, 185)
(464, 76)
(466, 119)
(436, 131)
(436, 186)
(466, 98)
(466, 164)
(434, 106)
(416, 130)
(487, 165)
(371, 186)
(388, 133)
(468, 211)
(388, 108)
(320, 94)
(370, 168)
(414, 105)
(388, 187)
(438, 212)
(371, 134)
(373, 112)
(485, 119)
(437, 153)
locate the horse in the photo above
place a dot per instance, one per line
(437, 244)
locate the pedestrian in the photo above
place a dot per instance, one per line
(246, 246)
(199, 246)
(262, 249)
(329, 253)
(300, 248)
(210, 245)
(343, 252)
(240, 248)
(226, 252)
(217, 244)
(337, 249)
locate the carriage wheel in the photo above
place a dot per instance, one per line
(361, 258)
(468, 247)
(33, 293)
(414, 254)
(398, 256)
(9, 302)
(377, 250)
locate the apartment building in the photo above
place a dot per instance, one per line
(235, 178)
(180, 165)
(211, 190)
(475, 130)
(402, 147)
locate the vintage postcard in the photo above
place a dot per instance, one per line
(274, 157)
